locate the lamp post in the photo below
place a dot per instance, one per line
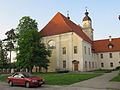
(119, 17)
(0, 49)
(0, 43)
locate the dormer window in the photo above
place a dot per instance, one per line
(110, 46)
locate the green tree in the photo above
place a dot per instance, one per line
(31, 50)
(10, 40)
(3, 56)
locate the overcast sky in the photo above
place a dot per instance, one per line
(104, 14)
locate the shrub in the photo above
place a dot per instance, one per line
(63, 71)
(117, 68)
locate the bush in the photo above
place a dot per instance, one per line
(63, 71)
(103, 71)
(117, 68)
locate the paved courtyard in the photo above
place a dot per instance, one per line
(97, 83)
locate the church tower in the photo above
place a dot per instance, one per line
(87, 25)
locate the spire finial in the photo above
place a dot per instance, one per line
(86, 13)
(86, 8)
(68, 15)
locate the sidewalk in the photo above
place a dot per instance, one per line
(97, 83)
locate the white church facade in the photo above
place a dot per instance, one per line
(73, 48)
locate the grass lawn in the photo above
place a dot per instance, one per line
(60, 78)
(3, 77)
(117, 79)
(65, 78)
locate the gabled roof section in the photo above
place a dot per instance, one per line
(61, 24)
(100, 46)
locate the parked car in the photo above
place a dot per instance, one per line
(26, 79)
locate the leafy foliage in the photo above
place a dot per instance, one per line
(31, 50)
(3, 56)
(10, 40)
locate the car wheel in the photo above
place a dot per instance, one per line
(39, 84)
(10, 83)
(27, 84)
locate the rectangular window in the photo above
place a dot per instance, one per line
(102, 64)
(92, 64)
(119, 62)
(89, 64)
(64, 50)
(101, 55)
(64, 64)
(111, 64)
(75, 49)
(85, 64)
(110, 54)
(89, 50)
(85, 49)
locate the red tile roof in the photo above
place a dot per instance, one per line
(61, 24)
(103, 45)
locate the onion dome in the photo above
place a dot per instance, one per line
(86, 17)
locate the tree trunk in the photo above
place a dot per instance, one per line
(46, 70)
(30, 69)
(39, 69)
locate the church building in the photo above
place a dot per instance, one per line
(73, 47)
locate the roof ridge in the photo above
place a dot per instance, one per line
(105, 39)
(64, 19)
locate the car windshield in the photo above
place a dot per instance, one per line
(27, 75)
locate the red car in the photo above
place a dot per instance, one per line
(24, 78)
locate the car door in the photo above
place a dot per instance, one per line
(15, 79)
(21, 79)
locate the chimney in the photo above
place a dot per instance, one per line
(110, 38)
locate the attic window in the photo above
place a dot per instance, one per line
(93, 49)
(110, 46)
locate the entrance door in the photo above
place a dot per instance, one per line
(75, 65)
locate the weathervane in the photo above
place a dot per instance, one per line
(68, 15)
(86, 8)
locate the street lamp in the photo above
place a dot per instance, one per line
(0, 49)
(119, 17)
(0, 46)
(0, 43)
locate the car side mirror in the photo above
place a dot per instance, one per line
(22, 76)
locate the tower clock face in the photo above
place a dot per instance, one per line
(51, 44)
